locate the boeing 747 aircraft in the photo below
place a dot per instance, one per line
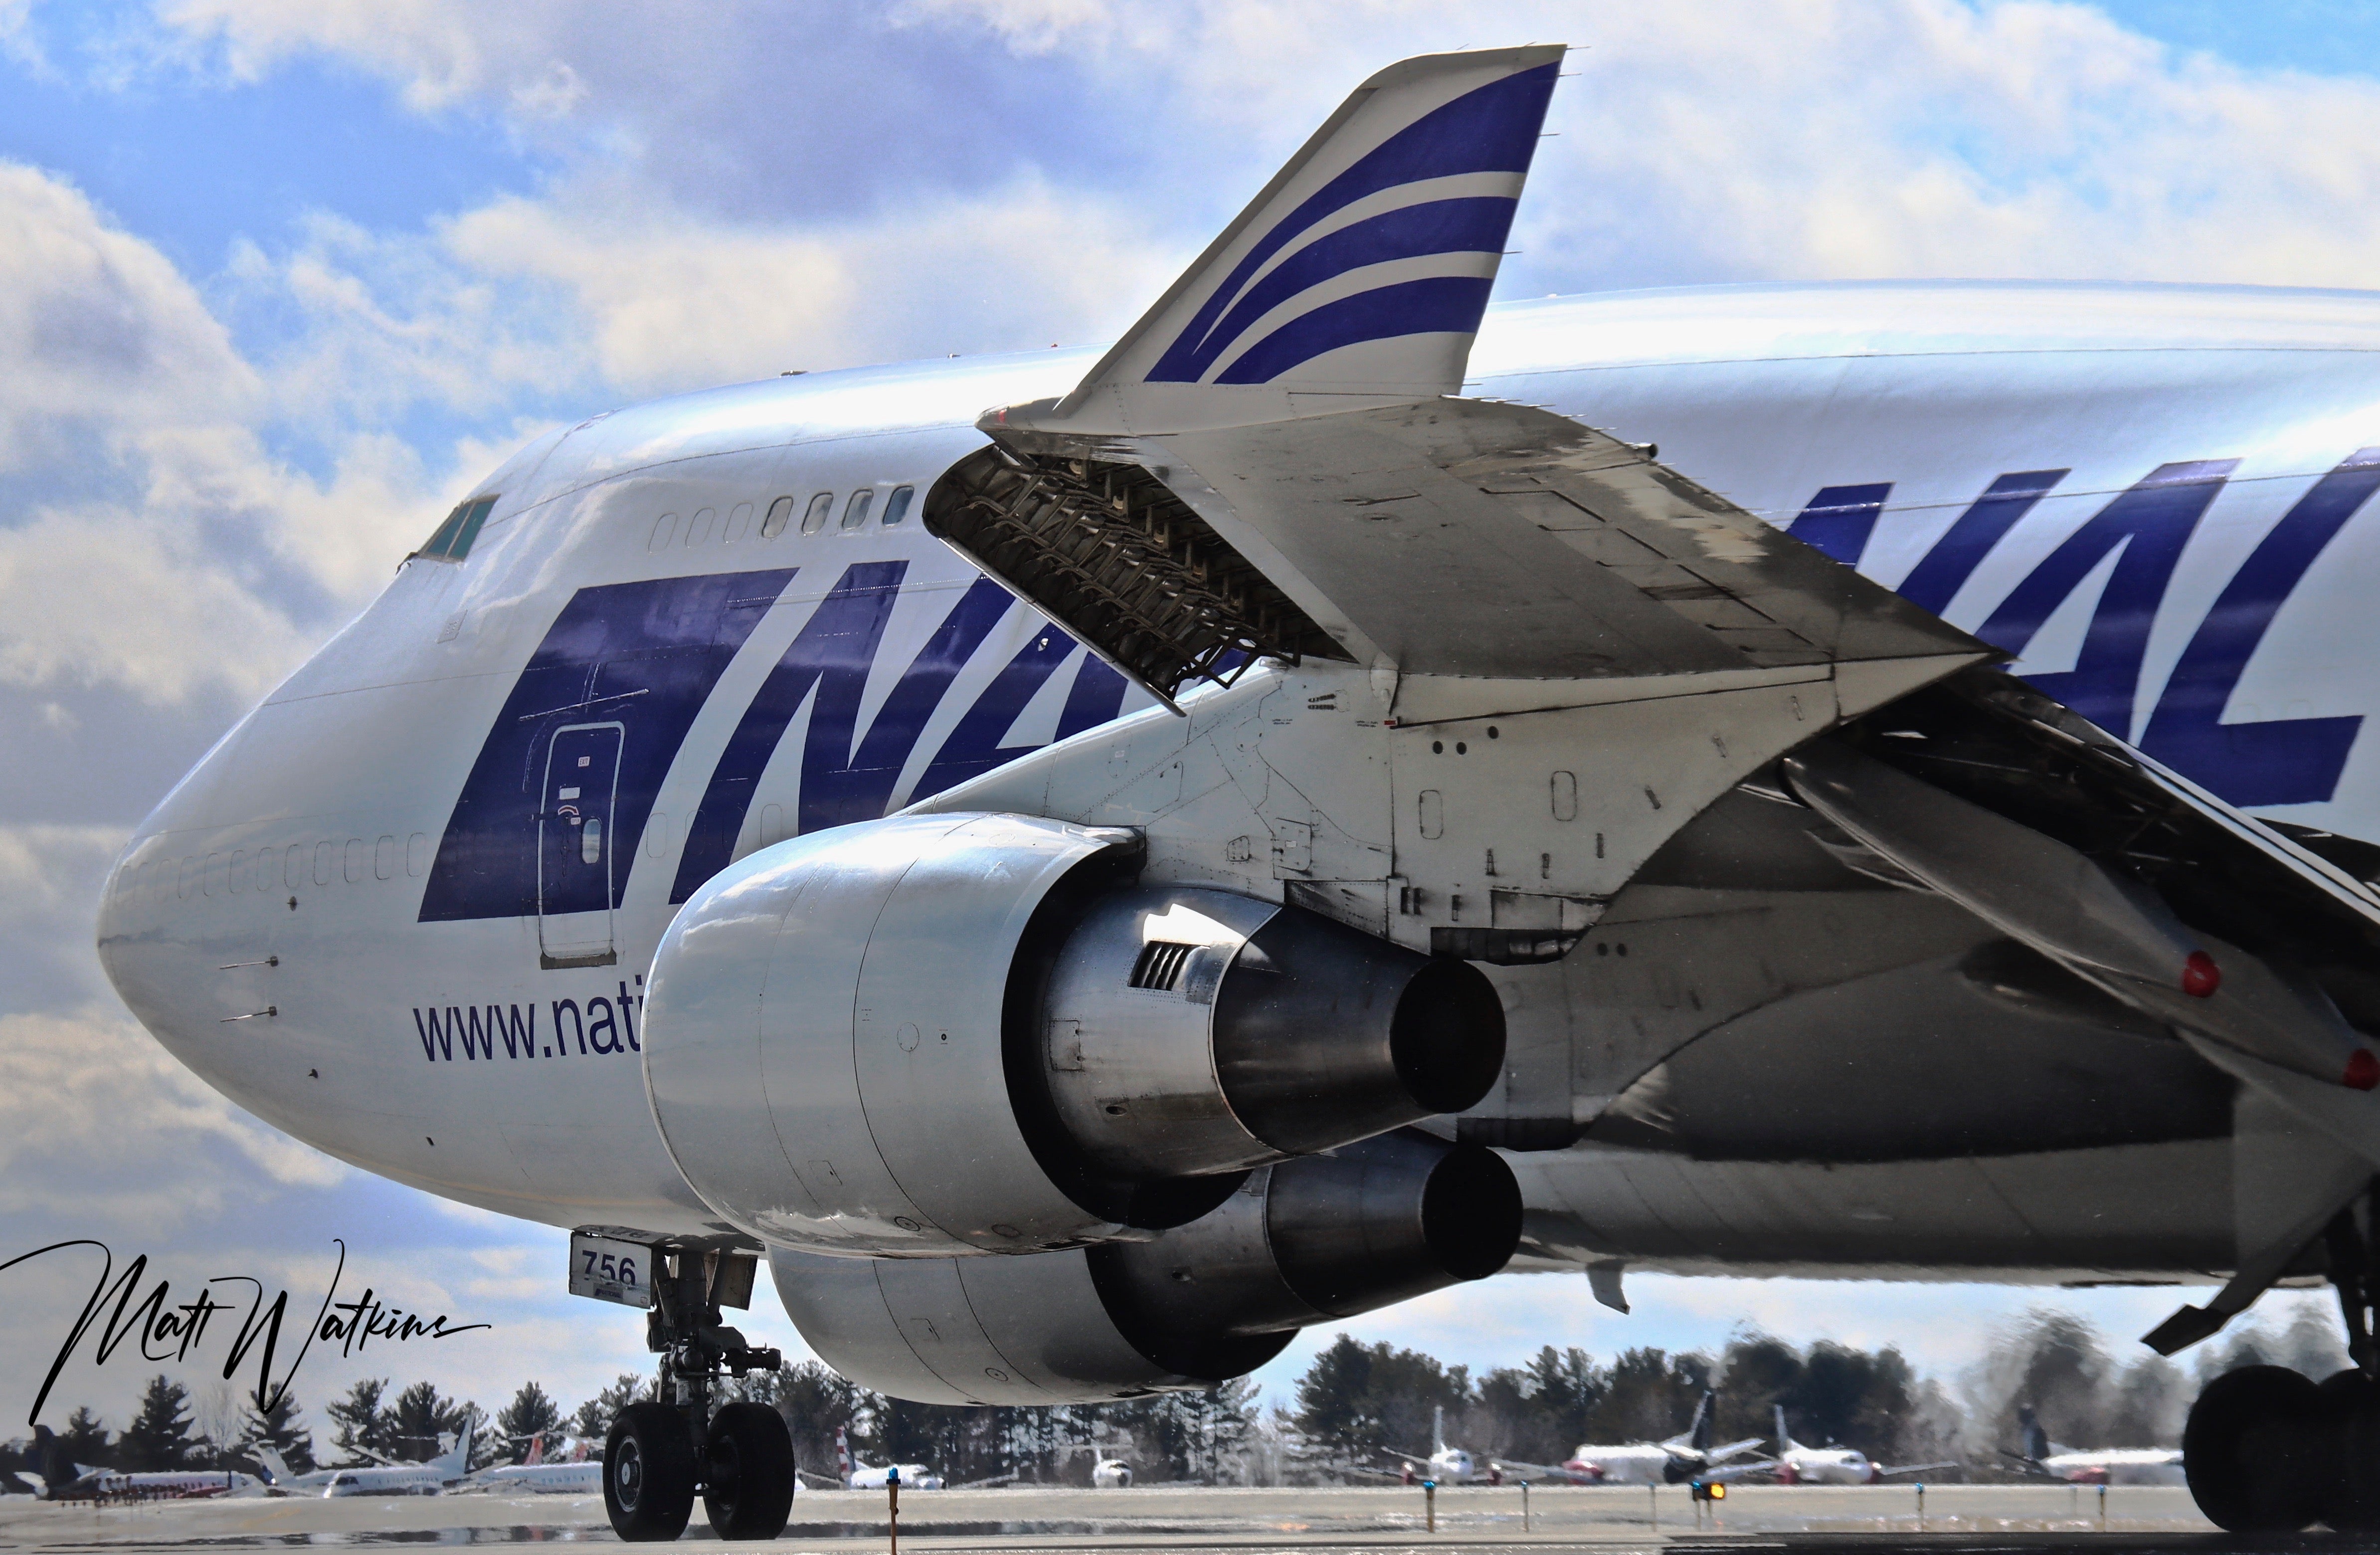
(1346, 790)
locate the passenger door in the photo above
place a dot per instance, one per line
(577, 845)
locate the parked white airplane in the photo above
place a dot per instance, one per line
(385, 1477)
(1687, 1456)
(2105, 1466)
(574, 1475)
(1111, 1474)
(1444, 1465)
(1379, 743)
(1797, 1465)
(856, 1475)
(54, 1478)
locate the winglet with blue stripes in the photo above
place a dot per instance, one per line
(1357, 276)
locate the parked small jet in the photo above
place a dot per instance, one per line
(577, 1474)
(1797, 1465)
(2107, 1465)
(1443, 1465)
(857, 1476)
(62, 1480)
(1687, 1455)
(384, 1478)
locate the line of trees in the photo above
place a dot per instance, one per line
(1353, 1402)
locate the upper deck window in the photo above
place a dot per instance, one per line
(896, 507)
(452, 542)
(814, 519)
(855, 512)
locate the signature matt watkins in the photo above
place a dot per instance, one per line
(169, 1330)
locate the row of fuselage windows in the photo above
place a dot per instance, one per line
(816, 513)
(277, 870)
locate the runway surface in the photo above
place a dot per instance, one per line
(1806, 1520)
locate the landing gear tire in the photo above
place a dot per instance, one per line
(648, 1472)
(747, 1472)
(2260, 1452)
(2351, 1404)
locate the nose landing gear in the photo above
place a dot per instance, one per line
(662, 1451)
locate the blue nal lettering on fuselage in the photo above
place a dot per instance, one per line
(2146, 526)
(647, 656)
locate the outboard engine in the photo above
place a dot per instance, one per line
(1299, 1243)
(949, 1034)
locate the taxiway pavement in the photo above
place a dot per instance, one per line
(1176, 1519)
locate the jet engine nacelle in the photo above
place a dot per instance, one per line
(946, 1034)
(1301, 1243)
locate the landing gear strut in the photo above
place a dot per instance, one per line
(662, 1451)
(2268, 1451)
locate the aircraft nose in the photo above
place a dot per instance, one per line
(189, 931)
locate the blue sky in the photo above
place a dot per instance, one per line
(278, 281)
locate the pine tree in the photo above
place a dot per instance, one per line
(278, 1428)
(85, 1441)
(159, 1436)
(593, 1421)
(531, 1414)
(1366, 1399)
(360, 1423)
(419, 1418)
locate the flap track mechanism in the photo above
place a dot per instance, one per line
(1109, 552)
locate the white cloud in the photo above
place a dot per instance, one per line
(670, 300)
(94, 1112)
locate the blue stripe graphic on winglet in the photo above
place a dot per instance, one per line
(1491, 130)
(1438, 304)
(1475, 224)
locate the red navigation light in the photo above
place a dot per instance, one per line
(2200, 976)
(2362, 1070)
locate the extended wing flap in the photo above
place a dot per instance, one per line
(1456, 537)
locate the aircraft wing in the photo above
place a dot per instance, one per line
(1734, 1448)
(1271, 462)
(1728, 1474)
(1912, 1468)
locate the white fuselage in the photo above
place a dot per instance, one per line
(411, 1480)
(547, 1479)
(2118, 1466)
(914, 1476)
(172, 1482)
(1825, 1465)
(403, 910)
